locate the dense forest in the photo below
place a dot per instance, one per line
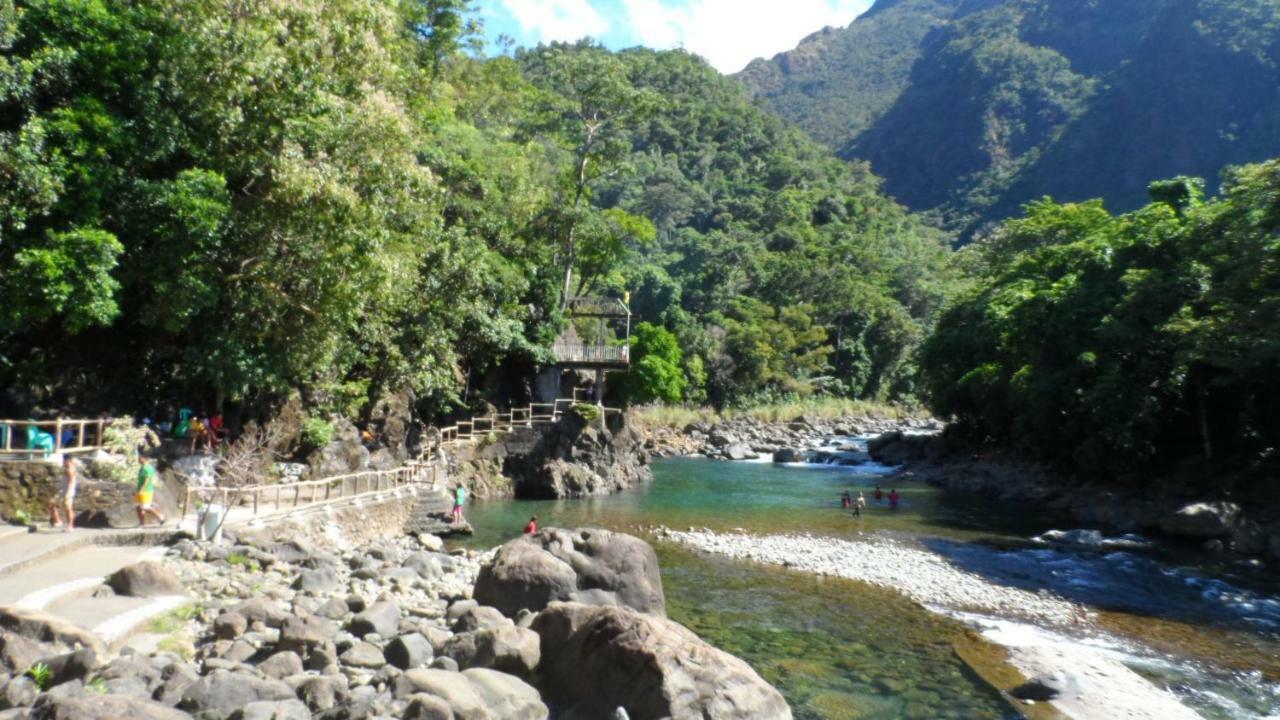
(225, 202)
(1125, 346)
(971, 108)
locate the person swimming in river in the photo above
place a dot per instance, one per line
(893, 499)
(532, 526)
(879, 495)
(846, 502)
(858, 505)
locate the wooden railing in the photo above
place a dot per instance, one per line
(591, 354)
(425, 471)
(274, 498)
(25, 439)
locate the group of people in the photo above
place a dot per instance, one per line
(61, 506)
(858, 504)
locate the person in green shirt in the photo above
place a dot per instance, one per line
(145, 492)
(459, 499)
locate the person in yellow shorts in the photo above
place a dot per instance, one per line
(145, 492)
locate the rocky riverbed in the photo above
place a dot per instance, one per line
(747, 438)
(893, 563)
(294, 622)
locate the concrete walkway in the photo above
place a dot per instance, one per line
(63, 574)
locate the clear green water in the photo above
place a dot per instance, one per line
(839, 649)
(836, 649)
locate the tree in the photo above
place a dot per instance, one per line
(655, 372)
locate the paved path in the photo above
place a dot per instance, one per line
(62, 574)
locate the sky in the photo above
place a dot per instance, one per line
(728, 33)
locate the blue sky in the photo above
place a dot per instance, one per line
(728, 33)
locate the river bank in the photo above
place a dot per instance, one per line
(1086, 683)
(297, 621)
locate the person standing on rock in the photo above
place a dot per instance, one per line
(145, 492)
(459, 499)
(532, 527)
(66, 497)
(858, 505)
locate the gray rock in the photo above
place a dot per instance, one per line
(145, 579)
(445, 663)
(322, 692)
(333, 608)
(18, 653)
(175, 680)
(505, 648)
(788, 455)
(75, 665)
(363, 655)
(408, 651)
(475, 618)
(577, 458)
(740, 451)
(381, 617)
(1249, 538)
(302, 635)
(221, 694)
(273, 710)
(1201, 520)
(425, 564)
(45, 628)
(1054, 686)
(261, 610)
(230, 625)
(281, 665)
(320, 580)
(427, 707)
(101, 707)
(475, 694)
(592, 566)
(18, 692)
(596, 659)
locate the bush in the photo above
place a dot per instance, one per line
(589, 413)
(316, 433)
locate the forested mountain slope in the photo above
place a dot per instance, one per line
(1003, 101)
(198, 207)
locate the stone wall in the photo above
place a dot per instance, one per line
(29, 486)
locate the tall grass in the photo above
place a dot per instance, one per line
(823, 408)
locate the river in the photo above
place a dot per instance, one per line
(840, 649)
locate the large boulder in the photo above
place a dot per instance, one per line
(476, 694)
(1201, 520)
(18, 653)
(145, 579)
(43, 628)
(595, 567)
(222, 694)
(101, 707)
(578, 457)
(506, 648)
(596, 659)
(382, 618)
(345, 453)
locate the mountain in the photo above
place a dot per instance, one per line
(971, 108)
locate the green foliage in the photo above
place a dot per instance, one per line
(656, 372)
(588, 412)
(20, 517)
(970, 110)
(40, 674)
(316, 433)
(222, 210)
(97, 686)
(1112, 343)
(240, 560)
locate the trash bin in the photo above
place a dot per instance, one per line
(210, 525)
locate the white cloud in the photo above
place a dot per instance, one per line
(549, 20)
(730, 33)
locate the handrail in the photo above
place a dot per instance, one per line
(46, 437)
(583, 353)
(353, 485)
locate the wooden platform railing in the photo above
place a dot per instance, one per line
(63, 435)
(571, 353)
(273, 498)
(425, 471)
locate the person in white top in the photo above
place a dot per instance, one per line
(66, 498)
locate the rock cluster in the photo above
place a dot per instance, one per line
(295, 623)
(579, 457)
(748, 438)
